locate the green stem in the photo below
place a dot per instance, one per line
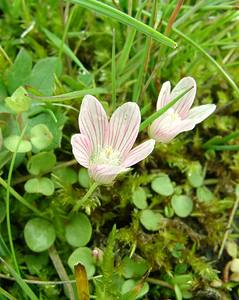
(19, 197)
(85, 198)
(160, 282)
(9, 231)
(27, 177)
(161, 111)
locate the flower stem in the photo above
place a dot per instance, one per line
(85, 198)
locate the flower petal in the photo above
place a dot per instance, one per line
(164, 95)
(105, 174)
(200, 113)
(124, 128)
(93, 121)
(139, 153)
(81, 148)
(164, 130)
(182, 106)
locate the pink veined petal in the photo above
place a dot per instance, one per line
(200, 113)
(105, 174)
(183, 105)
(93, 121)
(124, 128)
(164, 95)
(139, 153)
(81, 148)
(163, 125)
(161, 131)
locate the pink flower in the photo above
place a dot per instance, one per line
(179, 117)
(104, 147)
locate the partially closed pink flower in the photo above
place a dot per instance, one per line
(179, 117)
(105, 147)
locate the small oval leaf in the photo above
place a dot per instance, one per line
(78, 230)
(182, 205)
(162, 185)
(39, 234)
(84, 256)
(12, 141)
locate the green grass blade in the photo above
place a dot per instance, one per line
(6, 294)
(71, 95)
(123, 18)
(28, 291)
(161, 111)
(145, 58)
(4, 251)
(224, 147)
(113, 73)
(218, 140)
(58, 43)
(209, 57)
(128, 43)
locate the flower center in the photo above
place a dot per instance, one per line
(106, 155)
(174, 115)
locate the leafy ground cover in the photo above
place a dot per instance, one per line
(168, 229)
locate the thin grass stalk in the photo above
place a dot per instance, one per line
(123, 18)
(113, 72)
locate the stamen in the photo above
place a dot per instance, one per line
(106, 155)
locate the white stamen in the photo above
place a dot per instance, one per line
(173, 114)
(106, 155)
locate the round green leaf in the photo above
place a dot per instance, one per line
(83, 177)
(66, 175)
(162, 185)
(39, 234)
(84, 256)
(2, 211)
(235, 265)
(204, 194)
(139, 198)
(19, 101)
(41, 162)
(12, 141)
(133, 267)
(195, 174)
(78, 230)
(41, 136)
(130, 284)
(41, 185)
(231, 248)
(150, 219)
(182, 205)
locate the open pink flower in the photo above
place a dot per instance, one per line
(179, 117)
(104, 147)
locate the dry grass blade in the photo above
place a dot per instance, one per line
(82, 282)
